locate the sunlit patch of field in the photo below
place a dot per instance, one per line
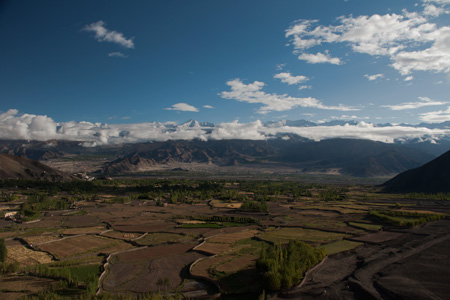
(28, 257)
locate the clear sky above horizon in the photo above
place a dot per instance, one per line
(220, 61)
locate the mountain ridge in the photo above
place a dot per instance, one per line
(432, 177)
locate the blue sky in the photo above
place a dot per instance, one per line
(127, 62)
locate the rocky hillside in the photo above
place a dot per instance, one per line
(20, 167)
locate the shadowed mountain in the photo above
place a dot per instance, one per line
(352, 157)
(360, 158)
(433, 177)
(20, 167)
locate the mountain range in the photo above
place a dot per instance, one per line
(354, 157)
(349, 156)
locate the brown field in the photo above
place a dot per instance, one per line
(213, 248)
(232, 237)
(68, 247)
(27, 257)
(81, 221)
(143, 277)
(236, 264)
(143, 228)
(149, 253)
(122, 235)
(83, 230)
(379, 237)
(201, 267)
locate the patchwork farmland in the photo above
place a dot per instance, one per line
(197, 238)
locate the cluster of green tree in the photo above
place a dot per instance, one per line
(38, 202)
(283, 268)
(255, 205)
(405, 218)
(232, 219)
(275, 188)
(333, 194)
(74, 186)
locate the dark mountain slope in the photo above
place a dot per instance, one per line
(361, 158)
(20, 167)
(432, 177)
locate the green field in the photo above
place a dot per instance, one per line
(340, 246)
(284, 235)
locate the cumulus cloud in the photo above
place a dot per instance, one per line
(424, 101)
(373, 77)
(288, 78)
(103, 34)
(208, 106)
(320, 58)
(252, 93)
(182, 107)
(36, 127)
(408, 39)
(433, 11)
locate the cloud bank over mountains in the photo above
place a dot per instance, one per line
(14, 125)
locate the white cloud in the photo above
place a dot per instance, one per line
(117, 54)
(289, 79)
(302, 87)
(182, 107)
(349, 117)
(208, 106)
(409, 40)
(373, 77)
(35, 127)
(440, 2)
(320, 58)
(433, 11)
(425, 101)
(436, 116)
(408, 78)
(102, 34)
(252, 93)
